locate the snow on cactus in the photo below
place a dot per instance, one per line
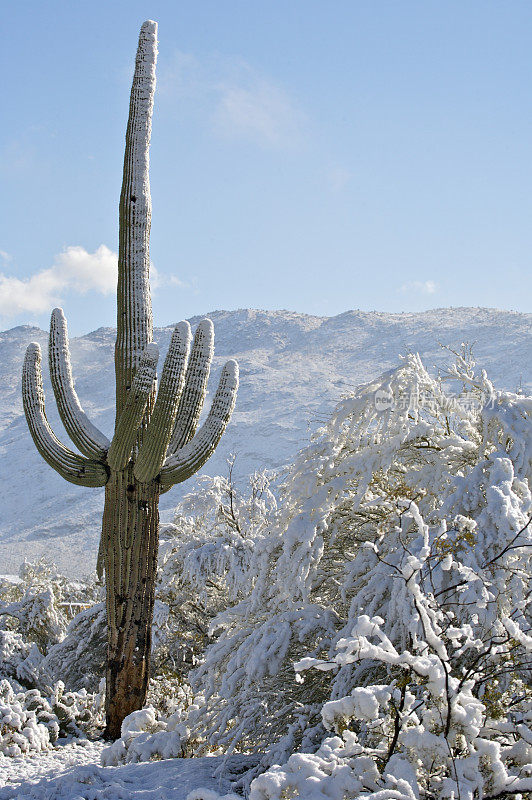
(156, 441)
(412, 491)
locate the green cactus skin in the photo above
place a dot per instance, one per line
(87, 438)
(133, 413)
(71, 466)
(156, 443)
(162, 423)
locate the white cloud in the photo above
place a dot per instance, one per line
(420, 287)
(36, 294)
(83, 271)
(261, 112)
(6, 257)
(233, 98)
(156, 279)
(74, 270)
(173, 280)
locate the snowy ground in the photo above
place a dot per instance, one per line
(73, 772)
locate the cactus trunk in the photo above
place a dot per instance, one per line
(131, 516)
(134, 320)
(130, 543)
(155, 443)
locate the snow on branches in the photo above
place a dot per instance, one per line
(395, 575)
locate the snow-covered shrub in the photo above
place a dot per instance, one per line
(79, 659)
(204, 559)
(31, 721)
(51, 629)
(42, 603)
(19, 661)
(45, 643)
(401, 457)
(168, 693)
(27, 722)
(78, 712)
(452, 715)
(146, 735)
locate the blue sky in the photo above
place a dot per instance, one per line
(314, 156)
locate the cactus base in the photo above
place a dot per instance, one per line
(129, 549)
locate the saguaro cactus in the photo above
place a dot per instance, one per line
(156, 443)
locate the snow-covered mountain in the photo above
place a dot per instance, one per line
(293, 368)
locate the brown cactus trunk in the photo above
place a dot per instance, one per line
(130, 541)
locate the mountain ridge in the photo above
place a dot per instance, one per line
(294, 368)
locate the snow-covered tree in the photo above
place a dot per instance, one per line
(79, 658)
(204, 559)
(414, 481)
(41, 604)
(447, 713)
(43, 644)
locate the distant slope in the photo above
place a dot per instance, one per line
(293, 367)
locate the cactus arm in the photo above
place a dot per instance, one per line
(161, 425)
(193, 397)
(134, 313)
(71, 466)
(133, 412)
(192, 456)
(87, 438)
